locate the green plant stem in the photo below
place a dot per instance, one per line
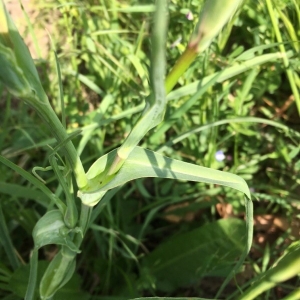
(293, 295)
(33, 275)
(182, 64)
(48, 115)
(71, 214)
(85, 216)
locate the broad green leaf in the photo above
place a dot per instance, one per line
(211, 250)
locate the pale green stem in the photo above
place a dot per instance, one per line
(182, 64)
(33, 275)
(71, 214)
(293, 295)
(85, 216)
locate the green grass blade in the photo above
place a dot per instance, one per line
(228, 121)
(71, 215)
(88, 82)
(184, 108)
(61, 91)
(34, 181)
(32, 275)
(286, 267)
(228, 73)
(136, 8)
(290, 74)
(7, 243)
(18, 191)
(31, 31)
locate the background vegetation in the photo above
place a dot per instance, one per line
(104, 49)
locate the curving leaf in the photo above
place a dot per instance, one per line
(146, 163)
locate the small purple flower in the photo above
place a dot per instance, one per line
(220, 156)
(189, 16)
(229, 157)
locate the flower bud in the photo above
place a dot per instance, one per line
(214, 15)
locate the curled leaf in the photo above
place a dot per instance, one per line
(51, 229)
(143, 163)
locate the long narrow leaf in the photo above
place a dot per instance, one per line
(6, 242)
(228, 73)
(34, 181)
(198, 129)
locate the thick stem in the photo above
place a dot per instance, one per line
(85, 216)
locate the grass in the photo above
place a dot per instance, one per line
(104, 55)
